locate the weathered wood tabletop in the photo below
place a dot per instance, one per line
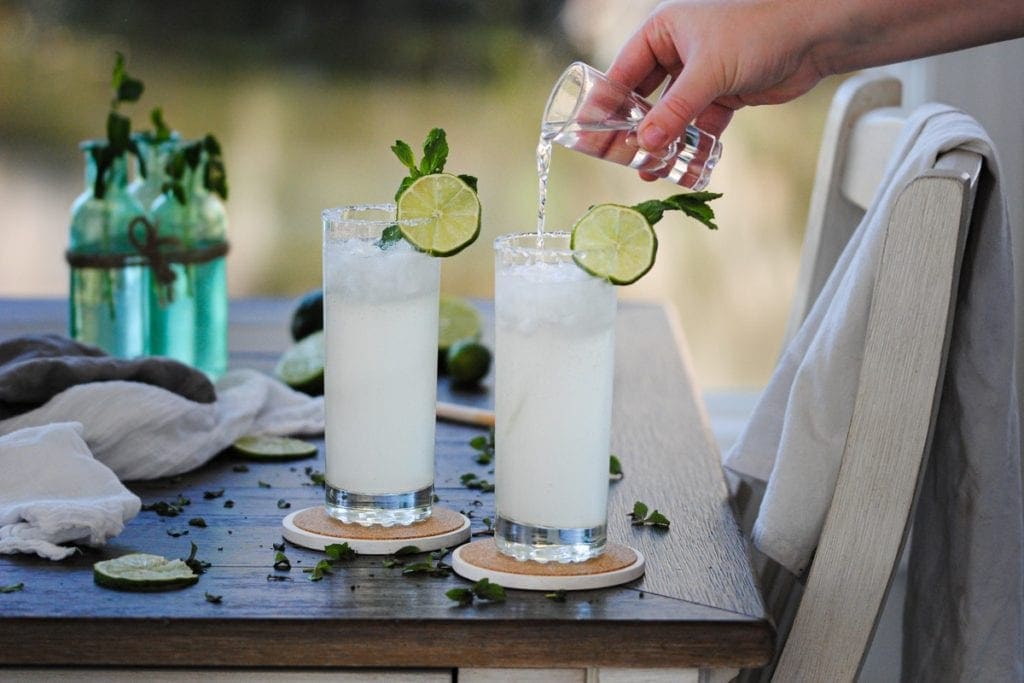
(697, 605)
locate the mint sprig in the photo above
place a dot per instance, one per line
(119, 127)
(188, 157)
(693, 204)
(482, 589)
(642, 518)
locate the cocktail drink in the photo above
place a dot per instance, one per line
(380, 370)
(554, 363)
(589, 113)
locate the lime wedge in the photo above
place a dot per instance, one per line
(273, 448)
(302, 365)
(617, 243)
(439, 214)
(457, 320)
(143, 572)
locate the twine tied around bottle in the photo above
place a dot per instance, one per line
(159, 253)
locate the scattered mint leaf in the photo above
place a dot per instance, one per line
(556, 596)
(229, 503)
(215, 599)
(210, 495)
(316, 477)
(12, 588)
(317, 572)
(168, 509)
(614, 466)
(481, 485)
(407, 550)
(340, 551)
(240, 468)
(485, 590)
(281, 562)
(279, 546)
(195, 564)
(641, 518)
(262, 484)
(484, 446)
(463, 596)
(197, 522)
(278, 577)
(467, 478)
(391, 563)
(177, 534)
(283, 504)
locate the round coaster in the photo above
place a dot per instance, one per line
(480, 559)
(314, 528)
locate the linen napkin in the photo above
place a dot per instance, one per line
(53, 492)
(965, 602)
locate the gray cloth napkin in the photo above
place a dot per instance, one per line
(35, 368)
(964, 618)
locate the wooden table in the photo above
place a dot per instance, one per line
(696, 607)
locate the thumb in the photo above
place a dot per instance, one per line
(687, 96)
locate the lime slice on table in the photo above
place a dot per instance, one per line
(143, 572)
(302, 365)
(617, 242)
(259, 447)
(439, 214)
(457, 320)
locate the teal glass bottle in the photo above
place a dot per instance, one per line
(211, 285)
(189, 316)
(109, 278)
(153, 154)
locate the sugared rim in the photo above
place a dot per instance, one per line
(504, 243)
(336, 214)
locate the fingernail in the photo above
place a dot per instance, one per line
(653, 138)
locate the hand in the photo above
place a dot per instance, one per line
(719, 56)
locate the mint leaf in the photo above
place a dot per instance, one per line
(485, 590)
(614, 466)
(469, 180)
(12, 588)
(317, 572)
(657, 519)
(639, 512)
(281, 562)
(162, 131)
(389, 237)
(641, 518)
(556, 596)
(339, 551)
(407, 550)
(435, 152)
(404, 153)
(130, 90)
(693, 204)
(404, 185)
(215, 599)
(463, 596)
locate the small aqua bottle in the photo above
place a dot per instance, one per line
(109, 278)
(153, 156)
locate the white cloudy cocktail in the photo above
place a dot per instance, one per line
(380, 370)
(554, 363)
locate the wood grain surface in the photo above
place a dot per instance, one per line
(697, 606)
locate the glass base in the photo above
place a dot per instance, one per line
(548, 544)
(385, 509)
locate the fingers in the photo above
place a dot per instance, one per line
(686, 98)
(635, 63)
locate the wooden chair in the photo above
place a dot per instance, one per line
(826, 624)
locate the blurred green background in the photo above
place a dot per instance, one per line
(307, 97)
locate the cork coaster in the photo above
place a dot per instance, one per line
(314, 528)
(617, 565)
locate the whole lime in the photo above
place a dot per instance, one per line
(468, 362)
(308, 316)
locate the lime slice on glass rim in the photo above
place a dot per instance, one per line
(143, 572)
(260, 447)
(616, 243)
(439, 214)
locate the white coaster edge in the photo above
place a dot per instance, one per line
(365, 546)
(535, 582)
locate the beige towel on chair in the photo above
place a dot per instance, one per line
(965, 602)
